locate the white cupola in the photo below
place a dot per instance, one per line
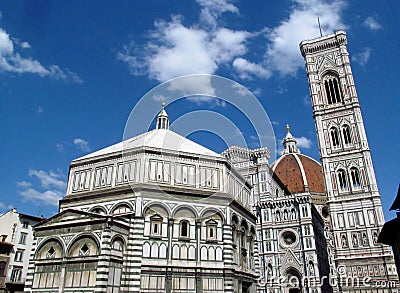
(162, 119)
(289, 143)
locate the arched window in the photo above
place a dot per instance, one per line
(155, 225)
(211, 230)
(342, 180)
(344, 241)
(355, 178)
(311, 268)
(268, 246)
(293, 214)
(335, 137)
(346, 134)
(278, 216)
(98, 210)
(285, 214)
(355, 240)
(122, 209)
(375, 238)
(184, 229)
(269, 270)
(332, 90)
(305, 211)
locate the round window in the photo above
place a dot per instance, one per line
(288, 237)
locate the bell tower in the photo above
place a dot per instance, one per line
(353, 198)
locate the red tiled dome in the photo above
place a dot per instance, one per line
(299, 173)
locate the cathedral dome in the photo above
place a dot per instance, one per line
(299, 173)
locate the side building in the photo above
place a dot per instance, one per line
(155, 213)
(16, 232)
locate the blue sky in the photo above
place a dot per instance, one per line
(71, 72)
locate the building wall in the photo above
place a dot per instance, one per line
(19, 231)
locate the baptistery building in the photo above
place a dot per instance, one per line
(161, 213)
(155, 213)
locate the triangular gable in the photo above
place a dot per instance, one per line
(326, 64)
(68, 216)
(290, 260)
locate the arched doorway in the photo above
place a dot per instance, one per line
(293, 279)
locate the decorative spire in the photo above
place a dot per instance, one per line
(162, 118)
(289, 143)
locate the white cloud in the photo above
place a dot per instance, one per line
(60, 147)
(227, 44)
(57, 73)
(174, 50)
(372, 24)
(211, 10)
(3, 206)
(198, 85)
(12, 61)
(304, 142)
(159, 98)
(283, 51)
(362, 58)
(181, 51)
(82, 144)
(24, 184)
(25, 45)
(241, 90)
(50, 197)
(48, 179)
(307, 100)
(50, 190)
(257, 92)
(247, 69)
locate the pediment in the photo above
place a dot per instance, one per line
(70, 215)
(290, 260)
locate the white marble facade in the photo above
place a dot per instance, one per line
(144, 218)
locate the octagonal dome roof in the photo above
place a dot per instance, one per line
(160, 139)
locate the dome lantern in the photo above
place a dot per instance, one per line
(162, 119)
(289, 143)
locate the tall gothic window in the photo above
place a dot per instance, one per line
(335, 137)
(332, 90)
(346, 135)
(342, 180)
(355, 178)
(184, 229)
